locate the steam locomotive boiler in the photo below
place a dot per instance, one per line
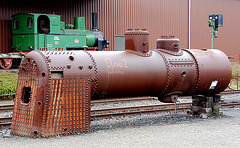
(55, 88)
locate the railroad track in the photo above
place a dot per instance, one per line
(11, 69)
(5, 122)
(119, 112)
(230, 91)
(9, 107)
(5, 108)
(122, 100)
(126, 111)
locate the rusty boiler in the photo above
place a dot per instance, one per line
(55, 88)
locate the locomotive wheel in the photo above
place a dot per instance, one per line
(6, 63)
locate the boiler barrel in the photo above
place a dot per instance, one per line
(126, 74)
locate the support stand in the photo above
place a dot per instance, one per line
(205, 107)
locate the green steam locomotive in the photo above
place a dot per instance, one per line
(46, 32)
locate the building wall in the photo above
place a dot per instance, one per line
(159, 17)
(5, 35)
(229, 35)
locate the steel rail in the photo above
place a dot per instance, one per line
(121, 100)
(228, 92)
(108, 101)
(9, 107)
(5, 122)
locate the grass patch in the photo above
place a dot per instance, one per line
(8, 84)
(235, 71)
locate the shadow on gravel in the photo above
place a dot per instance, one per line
(146, 120)
(134, 122)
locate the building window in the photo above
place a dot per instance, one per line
(16, 24)
(29, 23)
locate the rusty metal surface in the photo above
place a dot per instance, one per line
(137, 40)
(59, 100)
(55, 88)
(212, 65)
(168, 43)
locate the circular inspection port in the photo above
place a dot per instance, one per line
(80, 67)
(35, 132)
(71, 58)
(39, 103)
(184, 73)
(43, 74)
(174, 99)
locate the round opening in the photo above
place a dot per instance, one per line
(174, 99)
(43, 74)
(184, 73)
(39, 103)
(80, 67)
(71, 58)
(68, 66)
(176, 45)
(35, 132)
(28, 60)
(65, 129)
(90, 66)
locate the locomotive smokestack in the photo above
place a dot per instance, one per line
(94, 21)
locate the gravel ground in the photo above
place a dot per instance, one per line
(157, 130)
(146, 131)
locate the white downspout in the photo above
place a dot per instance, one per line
(189, 24)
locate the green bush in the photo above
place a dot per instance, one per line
(8, 84)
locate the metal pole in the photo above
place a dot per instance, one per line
(189, 24)
(176, 107)
(212, 37)
(237, 80)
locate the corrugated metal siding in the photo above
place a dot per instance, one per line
(229, 35)
(159, 17)
(5, 36)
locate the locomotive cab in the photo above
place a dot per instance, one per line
(46, 32)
